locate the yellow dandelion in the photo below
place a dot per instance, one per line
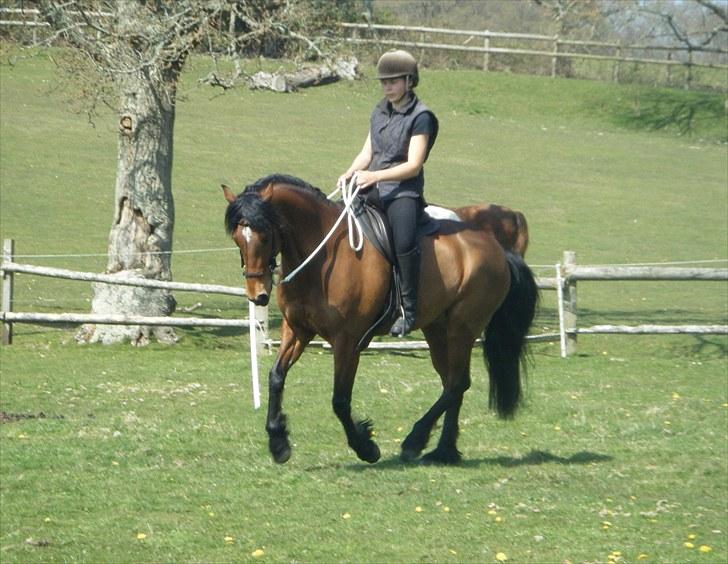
(557, 428)
(257, 553)
(642, 556)
(141, 536)
(229, 540)
(501, 557)
(114, 463)
(675, 396)
(704, 548)
(492, 512)
(346, 516)
(446, 509)
(692, 536)
(47, 519)
(499, 519)
(453, 552)
(688, 544)
(418, 509)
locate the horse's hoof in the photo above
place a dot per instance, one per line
(445, 457)
(281, 451)
(372, 454)
(282, 457)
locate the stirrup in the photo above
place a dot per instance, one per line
(401, 327)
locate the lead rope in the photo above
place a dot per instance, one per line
(356, 237)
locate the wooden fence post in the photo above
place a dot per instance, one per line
(486, 55)
(569, 302)
(554, 59)
(615, 68)
(7, 296)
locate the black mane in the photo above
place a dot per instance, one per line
(249, 208)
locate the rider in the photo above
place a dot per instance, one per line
(402, 132)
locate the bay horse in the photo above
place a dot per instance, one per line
(470, 286)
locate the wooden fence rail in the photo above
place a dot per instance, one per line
(257, 320)
(553, 42)
(568, 273)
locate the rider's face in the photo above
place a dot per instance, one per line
(394, 88)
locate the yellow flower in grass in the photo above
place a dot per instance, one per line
(141, 536)
(704, 548)
(642, 556)
(257, 553)
(501, 557)
(688, 544)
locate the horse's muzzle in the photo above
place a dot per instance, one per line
(261, 299)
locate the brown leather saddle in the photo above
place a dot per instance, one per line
(376, 229)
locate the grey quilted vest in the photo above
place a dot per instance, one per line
(391, 130)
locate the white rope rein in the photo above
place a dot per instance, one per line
(356, 236)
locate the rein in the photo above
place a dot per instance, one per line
(356, 237)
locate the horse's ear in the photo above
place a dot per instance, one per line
(229, 196)
(267, 192)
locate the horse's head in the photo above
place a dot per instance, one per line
(249, 221)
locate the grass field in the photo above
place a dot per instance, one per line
(621, 453)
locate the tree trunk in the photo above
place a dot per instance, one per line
(140, 241)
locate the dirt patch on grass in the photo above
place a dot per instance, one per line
(6, 417)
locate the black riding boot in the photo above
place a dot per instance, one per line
(409, 272)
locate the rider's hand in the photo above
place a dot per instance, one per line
(366, 178)
(344, 179)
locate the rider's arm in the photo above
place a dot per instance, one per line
(415, 159)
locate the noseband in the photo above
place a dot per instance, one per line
(272, 265)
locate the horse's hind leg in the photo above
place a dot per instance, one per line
(292, 346)
(418, 438)
(358, 434)
(455, 385)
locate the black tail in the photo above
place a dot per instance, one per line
(505, 338)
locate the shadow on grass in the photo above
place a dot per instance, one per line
(533, 458)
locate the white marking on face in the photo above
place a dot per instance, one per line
(247, 233)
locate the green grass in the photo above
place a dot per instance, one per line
(620, 448)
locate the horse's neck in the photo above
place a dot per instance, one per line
(307, 221)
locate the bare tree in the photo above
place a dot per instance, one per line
(139, 48)
(698, 25)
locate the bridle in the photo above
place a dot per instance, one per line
(272, 264)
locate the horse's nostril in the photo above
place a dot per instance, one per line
(261, 300)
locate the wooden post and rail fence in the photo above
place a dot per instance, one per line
(568, 273)
(555, 52)
(552, 47)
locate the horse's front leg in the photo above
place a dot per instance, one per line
(358, 434)
(292, 346)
